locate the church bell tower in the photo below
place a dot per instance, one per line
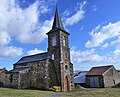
(58, 49)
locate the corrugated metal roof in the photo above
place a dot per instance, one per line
(81, 78)
(99, 70)
(118, 70)
(76, 73)
(18, 69)
(33, 58)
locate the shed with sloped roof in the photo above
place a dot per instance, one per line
(102, 76)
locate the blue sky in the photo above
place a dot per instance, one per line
(94, 27)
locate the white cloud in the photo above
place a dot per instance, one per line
(79, 15)
(104, 46)
(4, 38)
(10, 52)
(24, 24)
(94, 8)
(112, 57)
(37, 36)
(35, 51)
(100, 34)
(87, 56)
(66, 13)
(44, 9)
(116, 42)
(116, 52)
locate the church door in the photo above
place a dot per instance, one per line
(66, 84)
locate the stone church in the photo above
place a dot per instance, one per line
(44, 70)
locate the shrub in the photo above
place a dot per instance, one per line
(55, 88)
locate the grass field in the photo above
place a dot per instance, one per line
(106, 92)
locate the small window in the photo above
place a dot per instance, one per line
(53, 40)
(11, 78)
(45, 76)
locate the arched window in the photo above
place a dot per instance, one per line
(53, 40)
(64, 41)
(52, 56)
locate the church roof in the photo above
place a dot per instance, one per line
(57, 23)
(15, 70)
(33, 58)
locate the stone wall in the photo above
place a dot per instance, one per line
(111, 78)
(53, 78)
(72, 77)
(24, 79)
(12, 80)
(42, 75)
(35, 77)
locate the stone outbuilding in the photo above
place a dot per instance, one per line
(102, 76)
(2, 77)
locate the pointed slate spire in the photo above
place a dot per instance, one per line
(57, 23)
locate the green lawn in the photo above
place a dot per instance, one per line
(107, 92)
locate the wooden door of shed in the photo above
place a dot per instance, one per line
(94, 82)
